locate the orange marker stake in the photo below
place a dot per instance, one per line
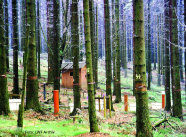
(126, 102)
(163, 100)
(56, 102)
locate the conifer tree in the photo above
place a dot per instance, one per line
(118, 61)
(143, 125)
(32, 100)
(15, 46)
(175, 72)
(4, 102)
(108, 52)
(90, 81)
(75, 50)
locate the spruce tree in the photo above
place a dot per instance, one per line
(15, 46)
(175, 72)
(75, 50)
(167, 58)
(143, 125)
(118, 61)
(32, 100)
(107, 52)
(4, 102)
(90, 81)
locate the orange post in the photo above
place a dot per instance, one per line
(126, 102)
(56, 102)
(163, 101)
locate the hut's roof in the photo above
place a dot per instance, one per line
(69, 65)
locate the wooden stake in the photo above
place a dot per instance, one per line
(126, 102)
(163, 100)
(104, 106)
(110, 107)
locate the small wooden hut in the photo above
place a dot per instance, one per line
(67, 75)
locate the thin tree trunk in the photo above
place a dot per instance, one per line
(38, 40)
(6, 34)
(90, 81)
(75, 50)
(118, 62)
(167, 58)
(113, 47)
(50, 39)
(15, 46)
(149, 48)
(143, 125)
(107, 51)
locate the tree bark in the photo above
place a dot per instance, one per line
(118, 61)
(32, 100)
(4, 102)
(15, 46)
(143, 125)
(90, 81)
(75, 50)
(175, 71)
(149, 48)
(167, 58)
(107, 52)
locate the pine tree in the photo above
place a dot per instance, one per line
(108, 52)
(50, 39)
(113, 47)
(75, 50)
(175, 72)
(167, 58)
(4, 102)
(149, 48)
(118, 61)
(15, 46)
(90, 82)
(32, 100)
(143, 126)
(93, 36)
(38, 40)
(6, 34)
(56, 44)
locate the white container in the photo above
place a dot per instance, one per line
(14, 104)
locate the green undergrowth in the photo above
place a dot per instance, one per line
(41, 128)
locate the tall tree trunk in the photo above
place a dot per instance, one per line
(92, 31)
(159, 55)
(90, 81)
(6, 34)
(175, 72)
(38, 40)
(4, 102)
(107, 51)
(124, 48)
(143, 125)
(32, 100)
(149, 47)
(118, 62)
(113, 47)
(167, 58)
(56, 44)
(96, 49)
(50, 39)
(134, 70)
(75, 50)
(15, 46)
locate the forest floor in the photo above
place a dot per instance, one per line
(120, 124)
